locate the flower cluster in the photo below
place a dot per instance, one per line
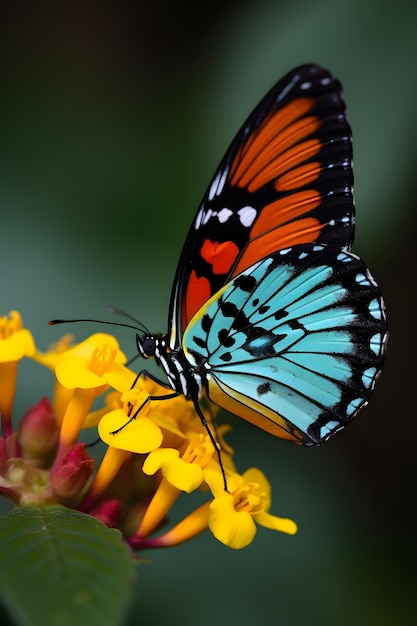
(155, 450)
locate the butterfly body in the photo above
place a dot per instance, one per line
(271, 316)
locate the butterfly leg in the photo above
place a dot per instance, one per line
(155, 379)
(169, 396)
(212, 439)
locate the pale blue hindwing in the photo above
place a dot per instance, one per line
(302, 332)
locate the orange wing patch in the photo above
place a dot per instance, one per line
(298, 177)
(305, 230)
(277, 227)
(270, 150)
(284, 210)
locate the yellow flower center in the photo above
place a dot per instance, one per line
(101, 359)
(199, 450)
(9, 324)
(250, 498)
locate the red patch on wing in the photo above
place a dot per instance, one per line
(221, 256)
(198, 292)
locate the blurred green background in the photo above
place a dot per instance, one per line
(114, 117)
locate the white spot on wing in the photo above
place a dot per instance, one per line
(218, 183)
(224, 215)
(199, 218)
(207, 216)
(247, 215)
(213, 188)
(222, 181)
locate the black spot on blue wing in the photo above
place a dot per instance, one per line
(296, 325)
(246, 283)
(263, 389)
(279, 315)
(199, 342)
(241, 322)
(264, 309)
(226, 357)
(228, 309)
(206, 323)
(224, 338)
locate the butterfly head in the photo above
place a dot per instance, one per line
(147, 345)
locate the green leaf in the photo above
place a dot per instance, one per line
(59, 567)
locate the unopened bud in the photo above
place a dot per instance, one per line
(39, 431)
(71, 471)
(108, 512)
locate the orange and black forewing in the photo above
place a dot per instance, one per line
(285, 180)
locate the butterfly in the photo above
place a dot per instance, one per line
(271, 316)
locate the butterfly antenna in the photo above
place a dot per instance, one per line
(114, 311)
(141, 328)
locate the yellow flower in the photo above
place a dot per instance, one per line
(15, 343)
(49, 359)
(184, 472)
(123, 429)
(88, 368)
(95, 362)
(157, 448)
(55, 351)
(178, 474)
(187, 529)
(232, 516)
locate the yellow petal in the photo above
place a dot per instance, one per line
(18, 345)
(254, 475)
(234, 529)
(71, 372)
(84, 349)
(140, 435)
(281, 524)
(119, 377)
(188, 528)
(184, 476)
(55, 351)
(93, 363)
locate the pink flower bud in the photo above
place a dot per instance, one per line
(71, 471)
(39, 431)
(108, 512)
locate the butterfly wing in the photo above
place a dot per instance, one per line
(285, 180)
(294, 344)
